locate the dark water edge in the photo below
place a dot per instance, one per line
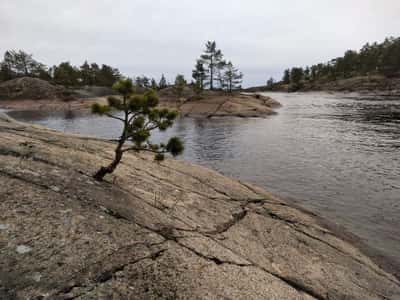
(335, 155)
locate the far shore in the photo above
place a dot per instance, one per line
(365, 85)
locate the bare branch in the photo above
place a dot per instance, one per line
(114, 117)
(135, 148)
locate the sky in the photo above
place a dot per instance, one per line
(142, 37)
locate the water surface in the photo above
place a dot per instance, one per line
(336, 155)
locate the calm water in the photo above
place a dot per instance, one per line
(337, 156)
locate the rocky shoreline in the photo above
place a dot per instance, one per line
(371, 86)
(238, 105)
(35, 94)
(224, 105)
(169, 230)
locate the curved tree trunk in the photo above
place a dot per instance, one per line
(103, 171)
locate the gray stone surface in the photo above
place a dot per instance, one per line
(167, 230)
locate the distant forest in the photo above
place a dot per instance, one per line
(372, 59)
(21, 64)
(211, 71)
(16, 64)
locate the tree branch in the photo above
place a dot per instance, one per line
(114, 117)
(136, 148)
(134, 115)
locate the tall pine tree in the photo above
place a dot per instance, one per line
(212, 59)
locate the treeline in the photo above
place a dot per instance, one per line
(21, 64)
(211, 71)
(372, 59)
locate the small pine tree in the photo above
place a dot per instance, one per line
(296, 75)
(139, 118)
(307, 73)
(199, 75)
(286, 77)
(270, 83)
(231, 78)
(163, 83)
(154, 85)
(180, 84)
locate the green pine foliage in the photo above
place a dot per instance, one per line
(140, 116)
(230, 78)
(199, 74)
(163, 83)
(212, 59)
(179, 85)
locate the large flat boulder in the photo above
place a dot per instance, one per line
(169, 230)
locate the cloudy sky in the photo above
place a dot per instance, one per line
(262, 37)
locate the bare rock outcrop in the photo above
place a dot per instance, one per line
(217, 104)
(32, 88)
(167, 230)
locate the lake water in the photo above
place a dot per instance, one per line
(336, 155)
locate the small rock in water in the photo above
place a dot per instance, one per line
(4, 226)
(22, 249)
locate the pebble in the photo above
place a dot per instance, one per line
(22, 249)
(4, 226)
(37, 277)
(55, 188)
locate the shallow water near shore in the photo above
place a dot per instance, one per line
(336, 155)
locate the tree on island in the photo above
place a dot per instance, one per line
(143, 82)
(66, 74)
(296, 76)
(199, 74)
(211, 68)
(212, 60)
(231, 78)
(179, 85)
(107, 76)
(86, 73)
(163, 83)
(139, 118)
(154, 85)
(19, 63)
(286, 77)
(270, 83)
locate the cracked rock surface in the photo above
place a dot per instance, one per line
(167, 230)
(215, 105)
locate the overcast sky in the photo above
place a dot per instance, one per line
(262, 37)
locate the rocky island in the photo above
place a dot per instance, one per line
(168, 230)
(35, 94)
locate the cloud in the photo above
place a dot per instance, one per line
(262, 37)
